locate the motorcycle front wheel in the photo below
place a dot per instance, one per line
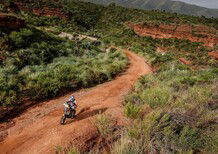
(63, 118)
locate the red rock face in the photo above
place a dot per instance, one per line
(11, 22)
(44, 11)
(214, 54)
(49, 12)
(203, 34)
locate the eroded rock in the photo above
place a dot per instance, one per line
(11, 22)
(184, 61)
(214, 54)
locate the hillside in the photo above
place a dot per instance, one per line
(102, 55)
(164, 5)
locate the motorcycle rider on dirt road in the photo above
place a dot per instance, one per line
(71, 103)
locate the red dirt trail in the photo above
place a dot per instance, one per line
(38, 129)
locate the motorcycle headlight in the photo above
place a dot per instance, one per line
(67, 106)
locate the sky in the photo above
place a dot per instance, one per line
(204, 3)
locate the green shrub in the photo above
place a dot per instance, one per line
(162, 58)
(132, 110)
(190, 139)
(104, 123)
(21, 39)
(2, 8)
(126, 145)
(156, 97)
(10, 88)
(73, 150)
(38, 82)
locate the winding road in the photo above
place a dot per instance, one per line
(37, 130)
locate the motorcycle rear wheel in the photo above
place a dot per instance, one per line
(73, 114)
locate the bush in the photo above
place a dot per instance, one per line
(190, 139)
(73, 150)
(182, 119)
(104, 123)
(127, 145)
(21, 39)
(132, 111)
(156, 97)
(2, 8)
(10, 88)
(38, 82)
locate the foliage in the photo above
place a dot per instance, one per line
(104, 123)
(176, 92)
(183, 99)
(178, 126)
(132, 111)
(165, 6)
(73, 150)
(65, 73)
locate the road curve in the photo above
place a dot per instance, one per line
(38, 130)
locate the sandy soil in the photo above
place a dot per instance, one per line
(38, 130)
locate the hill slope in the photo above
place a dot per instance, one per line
(167, 5)
(173, 110)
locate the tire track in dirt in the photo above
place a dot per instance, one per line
(38, 130)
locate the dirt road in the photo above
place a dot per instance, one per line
(38, 129)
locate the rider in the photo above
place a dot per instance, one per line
(71, 103)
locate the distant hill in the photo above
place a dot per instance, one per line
(167, 5)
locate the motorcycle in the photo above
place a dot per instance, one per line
(69, 112)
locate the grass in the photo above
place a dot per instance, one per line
(156, 97)
(40, 81)
(73, 150)
(178, 94)
(132, 111)
(104, 123)
(180, 108)
(182, 98)
(127, 146)
(40, 65)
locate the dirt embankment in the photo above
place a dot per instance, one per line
(38, 129)
(44, 11)
(11, 22)
(198, 33)
(214, 54)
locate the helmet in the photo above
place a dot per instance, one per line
(72, 98)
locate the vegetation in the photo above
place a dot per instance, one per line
(105, 124)
(72, 150)
(168, 108)
(173, 110)
(167, 5)
(37, 64)
(183, 111)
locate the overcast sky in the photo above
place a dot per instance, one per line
(204, 3)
